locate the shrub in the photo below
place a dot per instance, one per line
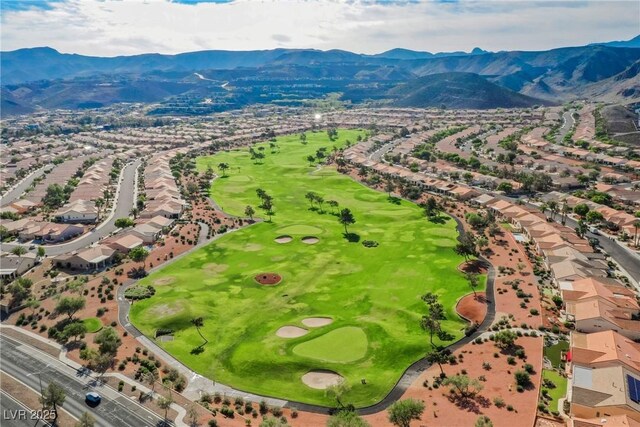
(522, 378)
(499, 402)
(529, 368)
(534, 312)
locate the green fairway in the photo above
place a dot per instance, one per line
(371, 293)
(93, 324)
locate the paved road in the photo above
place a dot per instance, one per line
(124, 203)
(30, 366)
(15, 193)
(16, 414)
(567, 125)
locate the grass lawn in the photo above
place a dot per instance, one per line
(93, 324)
(372, 294)
(559, 391)
(553, 352)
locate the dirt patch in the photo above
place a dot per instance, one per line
(291, 332)
(473, 308)
(164, 281)
(321, 379)
(473, 266)
(164, 310)
(215, 268)
(268, 278)
(317, 322)
(283, 239)
(310, 240)
(253, 247)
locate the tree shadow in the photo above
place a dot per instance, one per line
(439, 219)
(467, 403)
(394, 200)
(198, 350)
(352, 237)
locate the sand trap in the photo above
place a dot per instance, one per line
(291, 332)
(310, 240)
(283, 239)
(317, 322)
(214, 268)
(321, 379)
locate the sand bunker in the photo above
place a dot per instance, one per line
(291, 332)
(317, 322)
(310, 240)
(283, 239)
(268, 278)
(321, 379)
(164, 281)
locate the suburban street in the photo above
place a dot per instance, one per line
(31, 366)
(15, 193)
(123, 205)
(567, 125)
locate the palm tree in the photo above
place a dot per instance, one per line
(636, 225)
(198, 322)
(565, 211)
(310, 159)
(389, 186)
(223, 167)
(333, 204)
(553, 207)
(99, 204)
(311, 197)
(346, 218)
(320, 201)
(134, 212)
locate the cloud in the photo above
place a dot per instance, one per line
(111, 27)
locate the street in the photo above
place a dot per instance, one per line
(124, 203)
(35, 368)
(15, 414)
(15, 193)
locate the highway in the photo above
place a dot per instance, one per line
(124, 203)
(31, 366)
(14, 194)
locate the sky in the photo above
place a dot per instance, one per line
(126, 27)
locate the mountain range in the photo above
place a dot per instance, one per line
(44, 78)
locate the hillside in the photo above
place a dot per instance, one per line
(457, 90)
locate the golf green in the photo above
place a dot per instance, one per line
(372, 294)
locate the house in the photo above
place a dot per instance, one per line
(609, 421)
(93, 258)
(605, 375)
(162, 222)
(123, 244)
(149, 233)
(82, 211)
(13, 266)
(23, 206)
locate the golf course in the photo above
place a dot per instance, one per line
(292, 295)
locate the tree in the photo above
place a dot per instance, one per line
(303, 138)
(41, 252)
(99, 202)
(134, 212)
(463, 385)
(346, 418)
(151, 377)
(435, 313)
(523, 379)
(54, 197)
(346, 218)
(505, 339)
(431, 207)
(473, 280)
(553, 207)
(165, 403)
(483, 421)
(249, 211)
(198, 322)
(335, 204)
(505, 186)
(86, 420)
(337, 391)
(32, 303)
(482, 242)
(320, 201)
(581, 209)
(636, 226)
(273, 422)
(3, 232)
(223, 168)
(52, 397)
(192, 415)
(267, 205)
(20, 289)
(74, 330)
(19, 250)
(389, 186)
(124, 222)
(108, 341)
(466, 247)
(439, 357)
(403, 411)
(311, 197)
(594, 217)
(311, 159)
(139, 254)
(70, 305)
